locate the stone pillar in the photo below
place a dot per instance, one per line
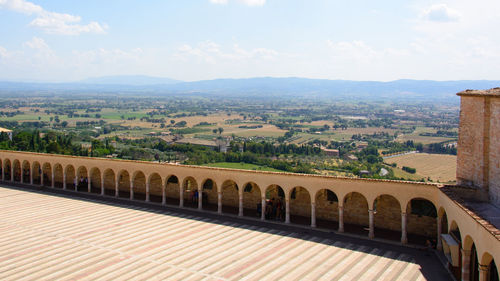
(131, 190)
(117, 192)
(163, 196)
(64, 180)
(53, 176)
(287, 210)
(147, 191)
(41, 177)
(219, 202)
(31, 176)
(341, 218)
(263, 209)
(200, 200)
(89, 184)
(313, 214)
(465, 264)
(181, 196)
(483, 272)
(22, 174)
(439, 245)
(102, 184)
(371, 232)
(3, 173)
(12, 174)
(240, 204)
(404, 236)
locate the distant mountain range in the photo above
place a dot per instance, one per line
(265, 87)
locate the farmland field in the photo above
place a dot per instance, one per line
(438, 167)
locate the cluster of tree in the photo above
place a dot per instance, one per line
(409, 170)
(442, 148)
(51, 142)
(370, 155)
(10, 113)
(441, 133)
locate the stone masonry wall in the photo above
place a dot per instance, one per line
(494, 173)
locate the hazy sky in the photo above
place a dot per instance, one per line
(64, 40)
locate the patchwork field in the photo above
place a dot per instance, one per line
(438, 167)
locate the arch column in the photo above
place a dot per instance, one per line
(404, 236)
(31, 176)
(341, 218)
(89, 182)
(117, 192)
(102, 184)
(181, 196)
(219, 202)
(439, 245)
(12, 174)
(147, 190)
(240, 204)
(131, 190)
(163, 195)
(263, 208)
(53, 176)
(64, 180)
(465, 264)
(200, 199)
(371, 232)
(313, 214)
(287, 210)
(3, 172)
(483, 272)
(41, 176)
(22, 173)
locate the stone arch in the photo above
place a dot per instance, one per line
(36, 170)
(47, 174)
(95, 180)
(252, 198)
(82, 179)
(443, 219)
(387, 216)
(7, 169)
(355, 212)
(17, 170)
(491, 267)
(155, 188)
(139, 185)
(58, 175)
(275, 197)
(327, 209)
(26, 171)
(109, 182)
(123, 184)
(421, 220)
(70, 177)
(230, 197)
(209, 194)
(454, 231)
(473, 262)
(300, 206)
(190, 188)
(172, 190)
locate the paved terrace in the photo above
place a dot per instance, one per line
(53, 237)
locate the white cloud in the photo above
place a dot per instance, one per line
(52, 22)
(441, 13)
(37, 43)
(245, 2)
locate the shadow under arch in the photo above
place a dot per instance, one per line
(230, 197)
(327, 209)
(172, 190)
(155, 188)
(139, 186)
(190, 191)
(252, 199)
(275, 203)
(300, 206)
(355, 213)
(7, 169)
(387, 217)
(26, 171)
(209, 195)
(58, 176)
(490, 267)
(95, 180)
(17, 170)
(109, 182)
(47, 174)
(36, 170)
(421, 221)
(70, 177)
(123, 184)
(82, 179)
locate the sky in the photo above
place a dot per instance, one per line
(62, 41)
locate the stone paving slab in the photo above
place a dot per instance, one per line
(47, 237)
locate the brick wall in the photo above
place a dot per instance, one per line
(355, 209)
(494, 173)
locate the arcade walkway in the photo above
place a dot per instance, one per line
(52, 237)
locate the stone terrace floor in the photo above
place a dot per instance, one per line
(48, 236)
